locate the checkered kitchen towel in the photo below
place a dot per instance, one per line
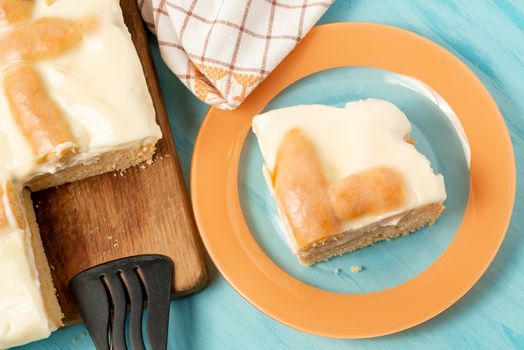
(222, 49)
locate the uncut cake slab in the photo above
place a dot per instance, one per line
(78, 99)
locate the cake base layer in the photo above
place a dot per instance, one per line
(106, 162)
(353, 240)
(47, 288)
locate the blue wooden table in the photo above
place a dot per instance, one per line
(488, 35)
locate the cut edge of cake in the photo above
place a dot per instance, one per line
(349, 241)
(47, 287)
(106, 162)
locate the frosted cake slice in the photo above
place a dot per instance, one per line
(345, 178)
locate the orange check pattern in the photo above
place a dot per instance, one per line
(222, 49)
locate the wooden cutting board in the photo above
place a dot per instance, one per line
(115, 215)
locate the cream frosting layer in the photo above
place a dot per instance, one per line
(100, 88)
(23, 317)
(364, 134)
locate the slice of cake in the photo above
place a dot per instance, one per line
(73, 103)
(345, 178)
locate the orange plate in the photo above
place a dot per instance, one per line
(273, 291)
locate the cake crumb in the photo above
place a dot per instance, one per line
(109, 237)
(37, 206)
(52, 267)
(142, 166)
(337, 271)
(356, 268)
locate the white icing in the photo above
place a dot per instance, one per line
(22, 317)
(11, 218)
(101, 90)
(363, 135)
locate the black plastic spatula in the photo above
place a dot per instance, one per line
(102, 294)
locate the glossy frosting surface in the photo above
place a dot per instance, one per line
(90, 75)
(366, 134)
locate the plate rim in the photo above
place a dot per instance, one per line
(265, 285)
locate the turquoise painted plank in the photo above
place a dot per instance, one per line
(488, 35)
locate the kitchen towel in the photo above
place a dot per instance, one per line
(222, 49)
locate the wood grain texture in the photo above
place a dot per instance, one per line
(116, 215)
